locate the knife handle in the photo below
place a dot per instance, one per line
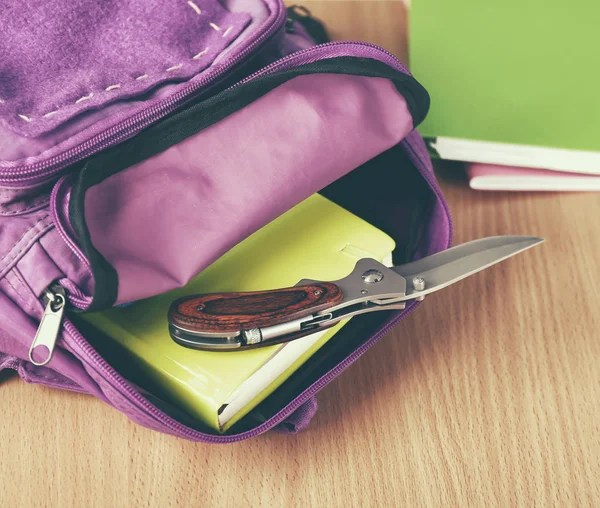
(225, 313)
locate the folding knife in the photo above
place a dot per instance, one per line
(235, 321)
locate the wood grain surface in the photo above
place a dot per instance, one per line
(489, 395)
(233, 312)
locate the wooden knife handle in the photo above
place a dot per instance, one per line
(234, 312)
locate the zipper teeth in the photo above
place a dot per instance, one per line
(75, 301)
(124, 130)
(299, 54)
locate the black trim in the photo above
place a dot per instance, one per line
(106, 280)
(183, 124)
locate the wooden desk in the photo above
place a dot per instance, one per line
(487, 396)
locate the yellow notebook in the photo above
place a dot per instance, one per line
(317, 239)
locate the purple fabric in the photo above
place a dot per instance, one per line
(31, 242)
(17, 235)
(438, 233)
(8, 362)
(23, 200)
(299, 419)
(17, 330)
(201, 197)
(336, 123)
(18, 152)
(38, 269)
(55, 54)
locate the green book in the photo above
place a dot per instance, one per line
(316, 239)
(512, 82)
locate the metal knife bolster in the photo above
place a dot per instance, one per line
(370, 287)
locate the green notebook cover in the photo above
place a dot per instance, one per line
(316, 239)
(517, 72)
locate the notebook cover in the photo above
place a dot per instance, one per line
(494, 177)
(317, 239)
(510, 71)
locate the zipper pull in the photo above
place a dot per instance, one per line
(49, 328)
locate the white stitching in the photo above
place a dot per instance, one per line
(195, 7)
(84, 98)
(195, 57)
(139, 78)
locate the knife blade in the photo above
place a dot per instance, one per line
(233, 321)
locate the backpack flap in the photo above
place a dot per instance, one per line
(95, 73)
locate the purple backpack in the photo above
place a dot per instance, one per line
(140, 140)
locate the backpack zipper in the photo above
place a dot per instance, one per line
(329, 50)
(50, 325)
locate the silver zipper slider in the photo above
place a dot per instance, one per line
(49, 328)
